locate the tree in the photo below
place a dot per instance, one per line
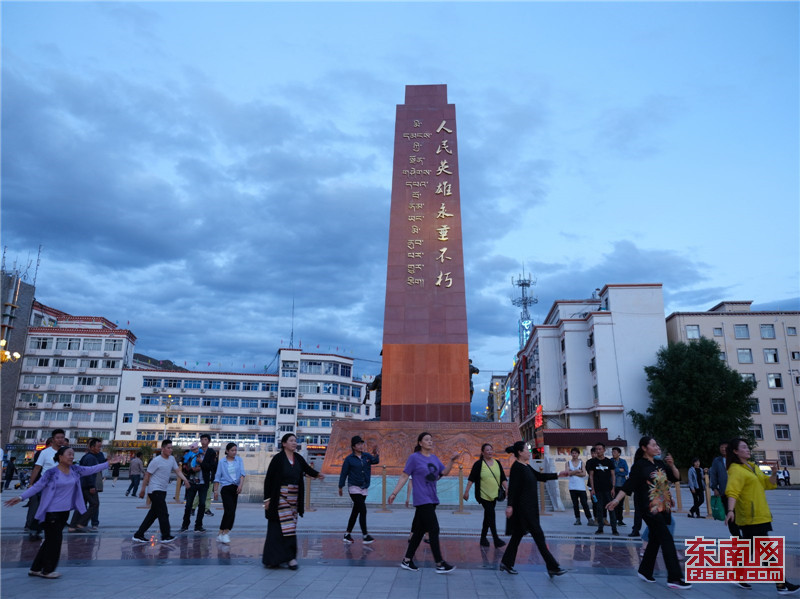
(697, 401)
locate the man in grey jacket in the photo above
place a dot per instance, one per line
(136, 472)
(718, 480)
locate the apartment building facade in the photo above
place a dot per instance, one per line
(763, 347)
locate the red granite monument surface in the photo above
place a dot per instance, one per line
(425, 376)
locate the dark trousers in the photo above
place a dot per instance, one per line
(603, 499)
(580, 497)
(31, 523)
(510, 555)
(200, 491)
(158, 511)
(230, 498)
(133, 488)
(8, 480)
(660, 537)
(698, 498)
(620, 507)
(46, 559)
(425, 520)
(359, 511)
(92, 501)
(732, 528)
(489, 519)
(637, 520)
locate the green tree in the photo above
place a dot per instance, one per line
(697, 401)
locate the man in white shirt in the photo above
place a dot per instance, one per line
(43, 463)
(156, 481)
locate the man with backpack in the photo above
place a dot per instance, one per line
(192, 470)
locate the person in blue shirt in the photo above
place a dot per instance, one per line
(621, 474)
(356, 471)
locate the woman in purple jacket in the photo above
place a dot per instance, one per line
(61, 492)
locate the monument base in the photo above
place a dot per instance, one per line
(395, 441)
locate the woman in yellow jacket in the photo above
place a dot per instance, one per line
(747, 500)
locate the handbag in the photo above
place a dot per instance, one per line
(501, 492)
(717, 509)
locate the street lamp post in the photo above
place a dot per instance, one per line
(167, 405)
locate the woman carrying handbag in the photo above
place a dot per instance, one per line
(490, 487)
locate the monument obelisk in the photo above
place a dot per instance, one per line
(425, 376)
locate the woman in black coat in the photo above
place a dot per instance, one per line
(283, 503)
(523, 510)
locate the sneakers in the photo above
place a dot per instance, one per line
(367, 539)
(646, 578)
(621, 523)
(615, 533)
(139, 538)
(744, 585)
(788, 588)
(50, 575)
(167, 539)
(183, 529)
(34, 573)
(591, 523)
(208, 513)
(199, 529)
(408, 564)
(484, 542)
(498, 542)
(577, 522)
(634, 534)
(599, 531)
(678, 584)
(443, 567)
(224, 538)
(347, 538)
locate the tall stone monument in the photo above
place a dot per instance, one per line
(425, 377)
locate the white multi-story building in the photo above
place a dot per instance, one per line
(308, 393)
(585, 364)
(70, 377)
(764, 347)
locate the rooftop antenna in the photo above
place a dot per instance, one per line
(291, 335)
(38, 262)
(523, 301)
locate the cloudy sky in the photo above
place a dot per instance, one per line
(195, 168)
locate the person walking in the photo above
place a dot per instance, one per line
(649, 483)
(209, 468)
(356, 471)
(601, 477)
(718, 480)
(156, 481)
(426, 469)
(522, 512)
(283, 502)
(228, 482)
(697, 487)
(11, 470)
(114, 474)
(747, 501)
(60, 489)
(135, 473)
(89, 487)
(198, 487)
(489, 479)
(786, 476)
(577, 487)
(620, 476)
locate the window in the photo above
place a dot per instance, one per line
(192, 384)
(564, 369)
(62, 415)
(778, 406)
(37, 361)
(29, 415)
(266, 438)
(81, 416)
(310, 367)
(228, 402)
(190, 401)
(40, 343)
(693, 331)
(62, 380)
(249, 421)
(758, 433)
(289, 368)
(740, 331)
(172, 383)
(35, 397)
(208, 419)
(770, 356)
(330, 388)
(94, 363)
(288, 392)
(230, 385)
(796, 355)
(267, 421)
(148, 417)
(110, 363)
(87, 380)
(269, 403)
(210, 402)
(189, 418)
(345, 370)
(249, 403)
(148, 382)
(723, 356)
(104, 416)
(755, 407)
(791, 331)
(110, 381)
(212, 385)
(92, 344)
(328, 405)
(249, 386)
(287, 428)
(288, 372)
(106, 398)
(65, 362)
(287, 410)
(355, 391)
(30, 379)
(145, 436)
(786, 459)
(748, 376)
(774, 381)
(127, 418)
(309, 387)
(758, 456)
(782, 432)
(269, 387)
(67, 343)
(150, 401)
(717, 331)
(745, 356)
(113, 345)
(768, 331)
(324, 439)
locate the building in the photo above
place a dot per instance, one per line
(70, 377)
(763, 347)
(585, 366)
(307, 394)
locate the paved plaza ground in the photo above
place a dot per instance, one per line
(108, 565)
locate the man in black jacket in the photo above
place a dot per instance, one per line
(602, 478)
(89, 487)
(209, 469)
